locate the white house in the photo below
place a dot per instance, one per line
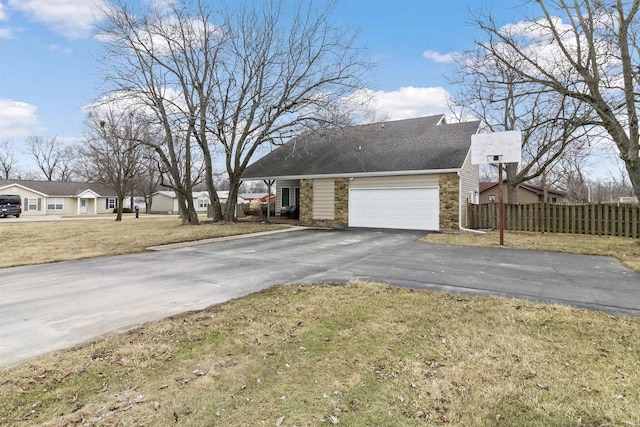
(166, 201)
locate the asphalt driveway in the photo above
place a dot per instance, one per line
(53, 306)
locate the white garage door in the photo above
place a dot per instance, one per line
(402, 208)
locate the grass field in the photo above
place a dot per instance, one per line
(360, 354)
(27, 243)
(624, 249)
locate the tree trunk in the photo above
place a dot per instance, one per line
(633, 169)
(148, 202)
(216, 209)
(186, 208)
(512, 183)
(119, 207)
(193, 215)
(232, 200)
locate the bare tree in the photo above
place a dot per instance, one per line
(113, 150)
(250, 74)
(551, 124)
(149, 178)
(8, 161)
(584, 50)
(54, 158)
(283, 70)
(163, 57)
(28, 175)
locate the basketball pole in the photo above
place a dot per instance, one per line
(500, 205)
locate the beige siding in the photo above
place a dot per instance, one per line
(407, 181)
(97, 206)
(469, 183)
(291, 184)
(163, 204)
(69, 206)
(101, 205)
(324, 199)
(23, 193)
(524, 196)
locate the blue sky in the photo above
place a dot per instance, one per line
(48, 71)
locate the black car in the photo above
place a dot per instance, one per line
(10, 204)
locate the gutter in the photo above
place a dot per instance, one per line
(460, 227)
(356, 174)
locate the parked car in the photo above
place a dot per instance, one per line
(10, 204)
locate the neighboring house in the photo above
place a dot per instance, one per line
(254, 203)
(261, 197)
(61, 198)
(527, 193)
(166, 201)
(406, 174)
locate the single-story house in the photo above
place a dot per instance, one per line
(405, 174)
(527, 193)
(61, 198)
(166, 201)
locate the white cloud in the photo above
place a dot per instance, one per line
(409, 102)
(72, 18)
(17, 119)
(62, 49)
(6, 33)
(437, 56)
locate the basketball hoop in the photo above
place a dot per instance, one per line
(497, 148)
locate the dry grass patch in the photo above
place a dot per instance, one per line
(626, 250)
(357, 354)
(40, 242)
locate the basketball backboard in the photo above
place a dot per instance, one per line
(496, 147)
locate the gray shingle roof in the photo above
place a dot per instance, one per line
(405, 145)
(61, 189)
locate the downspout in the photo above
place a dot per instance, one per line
(468, 230)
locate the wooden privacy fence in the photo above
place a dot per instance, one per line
(600, 219)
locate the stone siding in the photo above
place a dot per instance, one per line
(341, 204)
(449, 198)
(306, 202)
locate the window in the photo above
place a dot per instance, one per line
(55, 204)
(492, 197)
(32, 205)
(111, 203)
(203, 203)
(285, 196)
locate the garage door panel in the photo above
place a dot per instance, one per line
(402, 208)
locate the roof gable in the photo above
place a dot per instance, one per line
(422, 144)
(88, 194)
(15, 185)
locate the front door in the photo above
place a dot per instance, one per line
(83, 206)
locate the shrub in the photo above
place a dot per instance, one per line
(124, 210)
